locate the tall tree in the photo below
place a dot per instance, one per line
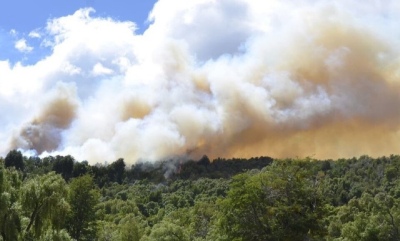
(279, 203)
(10, 221)
(165, 231)
(117, 170)
(83, 198)
(44, 203)
(64, 165)
(14, 159)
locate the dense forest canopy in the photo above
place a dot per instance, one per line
(59, 198)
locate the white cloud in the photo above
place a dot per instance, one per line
(99, 69)
(13, 32)
(71, 69)
(34, 34)
(210, 28)
(22, 46)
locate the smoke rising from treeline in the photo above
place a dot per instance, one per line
(223, 78)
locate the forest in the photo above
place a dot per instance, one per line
(59, 198)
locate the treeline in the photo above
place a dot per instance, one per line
(58, 198)
(118, 172)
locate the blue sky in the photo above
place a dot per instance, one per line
(26, 15)
(19, 17)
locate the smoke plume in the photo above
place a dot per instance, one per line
(223, 78)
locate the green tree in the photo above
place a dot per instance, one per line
(282, 202)
(64, 165)
(54, 235)
(165, 231)
(201, 215)
(44, 203)
(367, 219)
(10, 221)
(116, 171)
(83, 199)
(80, 168)
(130, 228)
(14, 159)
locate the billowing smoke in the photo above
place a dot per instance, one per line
(43, 133)
(223, 78)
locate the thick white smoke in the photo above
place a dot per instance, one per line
(222, 78)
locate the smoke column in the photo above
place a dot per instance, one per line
(223, 78)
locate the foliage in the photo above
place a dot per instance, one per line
(165, 231)
(59, 198)
(14, 159)
(10, 220)
(282, 202)
(64, 165)
(44, 203)
(83, 198)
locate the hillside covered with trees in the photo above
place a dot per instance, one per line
(59, 198)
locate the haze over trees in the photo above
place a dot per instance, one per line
(58, 198)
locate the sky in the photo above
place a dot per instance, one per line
(179, 79)
(19, 18)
